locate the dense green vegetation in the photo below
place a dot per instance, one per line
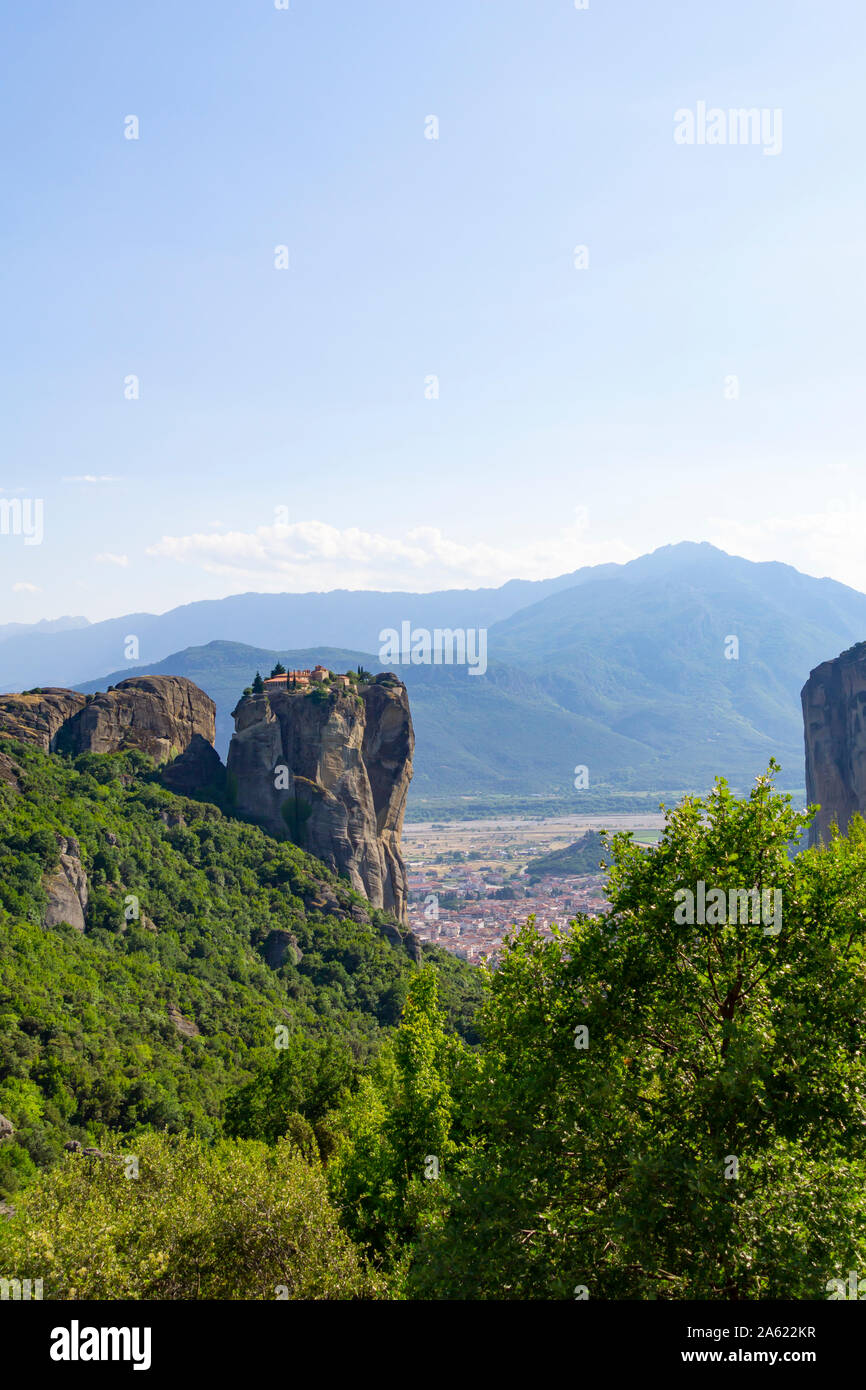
(708, 1142)
(650, 1107)
(704, 1138)
(87, 1037)
(180, 1220)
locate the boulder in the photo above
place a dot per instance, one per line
(66, 888)
(199, 766)
(11, 773)
(160, 715)
(413, 947)
(183, 1025)
(280, 946)
(323, 901)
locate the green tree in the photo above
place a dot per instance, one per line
(293, 1096)
(420, 1113)
(704, 1136)
(258, 684)
(171, 1218)
(394, 1142)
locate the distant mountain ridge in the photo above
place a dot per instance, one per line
(618, 668)
(45, 626)
(339, 618)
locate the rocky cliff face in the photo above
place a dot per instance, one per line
(834, 720)
(332, 772)
(38, 716)
(66, 888)
(161, 715)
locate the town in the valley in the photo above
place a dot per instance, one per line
(471, 882)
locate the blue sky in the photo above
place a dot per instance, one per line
(283, 438)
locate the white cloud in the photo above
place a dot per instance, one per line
(827, 544)
(24, 588)
(92, 478)
(106, 558)
(315, 555)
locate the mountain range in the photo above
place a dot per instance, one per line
(339, 618)
(654, 675)
(45, 625)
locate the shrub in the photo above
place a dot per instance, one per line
(235, 1221)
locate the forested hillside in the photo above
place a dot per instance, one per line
(150, 1017)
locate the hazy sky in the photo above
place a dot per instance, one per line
(287, 434)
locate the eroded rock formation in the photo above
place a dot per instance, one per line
(197, 767)
(327, 768)
(66, 887)
(37, 716)
(331, 771)
(10, 773)
(834, 722)
(161, 715)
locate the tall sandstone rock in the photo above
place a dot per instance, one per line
(834, 722)
(332, 772)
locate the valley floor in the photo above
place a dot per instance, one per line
(468, 880)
